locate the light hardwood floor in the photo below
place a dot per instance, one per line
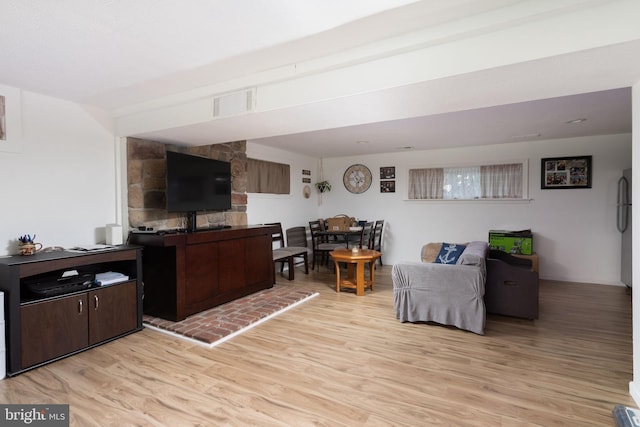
(342, 360)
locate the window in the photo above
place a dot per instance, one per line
(498, 181)
(267, 177)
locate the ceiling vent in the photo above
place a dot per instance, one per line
(234, 103)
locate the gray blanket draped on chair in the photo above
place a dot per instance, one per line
(441, 293)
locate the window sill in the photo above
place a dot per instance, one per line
(269, 196)
(510, 201)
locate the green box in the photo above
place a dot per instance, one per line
(513, 242)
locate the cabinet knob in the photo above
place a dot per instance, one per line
(80, 306)
(95, 302)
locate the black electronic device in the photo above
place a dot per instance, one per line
(50, 285)
(214, 227)
(196, 184)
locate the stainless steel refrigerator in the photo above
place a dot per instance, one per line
(623, 221)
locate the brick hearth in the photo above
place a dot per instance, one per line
(213, 325)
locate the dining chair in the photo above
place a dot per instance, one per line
(298, 237)
(365, 237)
(287, 254)
(321, 245)
(360, 239)
(375, 241)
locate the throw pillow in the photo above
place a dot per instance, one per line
(474, 254)
(430, 252)
(449, 253)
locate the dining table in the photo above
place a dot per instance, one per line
(340, 236)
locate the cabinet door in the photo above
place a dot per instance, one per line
(201, 275)
(112, 311)
(259, 261)
(53, 328)
(233, 264)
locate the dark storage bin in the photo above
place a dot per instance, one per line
(512, 286)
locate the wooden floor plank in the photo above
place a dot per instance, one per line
(344, 360)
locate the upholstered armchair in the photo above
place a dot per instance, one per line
(445, 293)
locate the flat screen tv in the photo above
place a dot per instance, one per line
(197, 184)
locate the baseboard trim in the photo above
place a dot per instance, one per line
(634, 390)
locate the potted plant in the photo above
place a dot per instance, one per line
(323, 186)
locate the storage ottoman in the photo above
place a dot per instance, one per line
(512, 286)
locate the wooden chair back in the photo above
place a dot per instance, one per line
(375, 241)
(365, 237)
(297, 236)
(278, 236)
(314, 227)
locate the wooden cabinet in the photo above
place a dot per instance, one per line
(41, 330)
(112, 311)
(186, 273)
(51, 329)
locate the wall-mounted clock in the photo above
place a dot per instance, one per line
(357, 178)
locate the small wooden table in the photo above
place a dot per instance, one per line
(359, 259)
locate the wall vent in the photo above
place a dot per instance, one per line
(234, 103)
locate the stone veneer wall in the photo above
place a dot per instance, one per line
(146, 170)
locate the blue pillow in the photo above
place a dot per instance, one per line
(449, 253)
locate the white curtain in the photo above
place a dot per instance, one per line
(462, 183)
(502, 181)
(425, 183)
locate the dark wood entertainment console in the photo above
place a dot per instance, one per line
(186, 273)
(43, 329)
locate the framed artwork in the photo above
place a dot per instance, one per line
(387, 186)
(388, 172)
(565, 172)
(10, 119)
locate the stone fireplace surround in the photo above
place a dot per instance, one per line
(146, 170)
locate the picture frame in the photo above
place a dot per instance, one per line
(388, 172)
(10, 119)
(566, 172)
(387, 186)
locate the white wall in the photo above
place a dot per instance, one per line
(574, 230)
(634, 386)
(292, 209)
(60, 186)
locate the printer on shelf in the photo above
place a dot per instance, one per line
(58, 284)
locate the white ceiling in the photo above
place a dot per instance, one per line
(115, 54)
(607, 112)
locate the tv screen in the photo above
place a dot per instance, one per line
(197, 183)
